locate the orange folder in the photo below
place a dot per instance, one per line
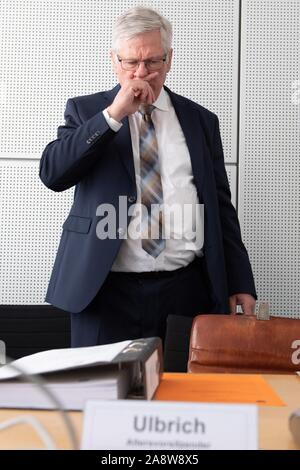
(217, 388)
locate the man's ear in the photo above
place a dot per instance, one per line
(170, 56)
(113, 60)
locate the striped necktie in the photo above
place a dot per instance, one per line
(151, 187)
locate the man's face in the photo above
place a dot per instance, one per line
(143, 47)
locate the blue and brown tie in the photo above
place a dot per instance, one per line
(151, 187)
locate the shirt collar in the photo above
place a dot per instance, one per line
(163, 101)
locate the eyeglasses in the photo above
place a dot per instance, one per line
(151, 64)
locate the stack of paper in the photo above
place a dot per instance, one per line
(71, 389)
(72, 375)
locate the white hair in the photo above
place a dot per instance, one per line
(139, 20)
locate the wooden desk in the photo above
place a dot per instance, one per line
(273, 421)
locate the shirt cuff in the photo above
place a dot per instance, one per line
(113, 124)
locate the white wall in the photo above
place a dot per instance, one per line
(269, 149)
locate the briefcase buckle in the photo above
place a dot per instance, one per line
(263, 311)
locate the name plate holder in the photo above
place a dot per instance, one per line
(149, 425)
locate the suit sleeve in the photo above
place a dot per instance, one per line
(78, 146)
(238, 267)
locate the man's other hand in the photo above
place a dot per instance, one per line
(246, 301)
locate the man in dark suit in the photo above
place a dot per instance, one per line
(127, 151)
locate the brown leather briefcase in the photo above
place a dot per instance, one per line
(243, 344)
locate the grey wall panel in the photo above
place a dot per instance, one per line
(269, 190)
(55, 49)
(31, 222)
(232, 179)
(206, 59)
(50, 50)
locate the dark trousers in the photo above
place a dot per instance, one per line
(136, 305)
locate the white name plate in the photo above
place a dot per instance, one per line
(135, 424)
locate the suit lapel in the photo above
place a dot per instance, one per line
(123, 144)
(188, 118)
(122, 140)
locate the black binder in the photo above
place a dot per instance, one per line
(144, 361)
(134, 372)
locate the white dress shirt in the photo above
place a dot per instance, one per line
(178, 188)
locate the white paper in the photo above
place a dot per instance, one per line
(61, 359)
(72, 389)
(132, 425)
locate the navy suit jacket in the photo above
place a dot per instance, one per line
(99, 161)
